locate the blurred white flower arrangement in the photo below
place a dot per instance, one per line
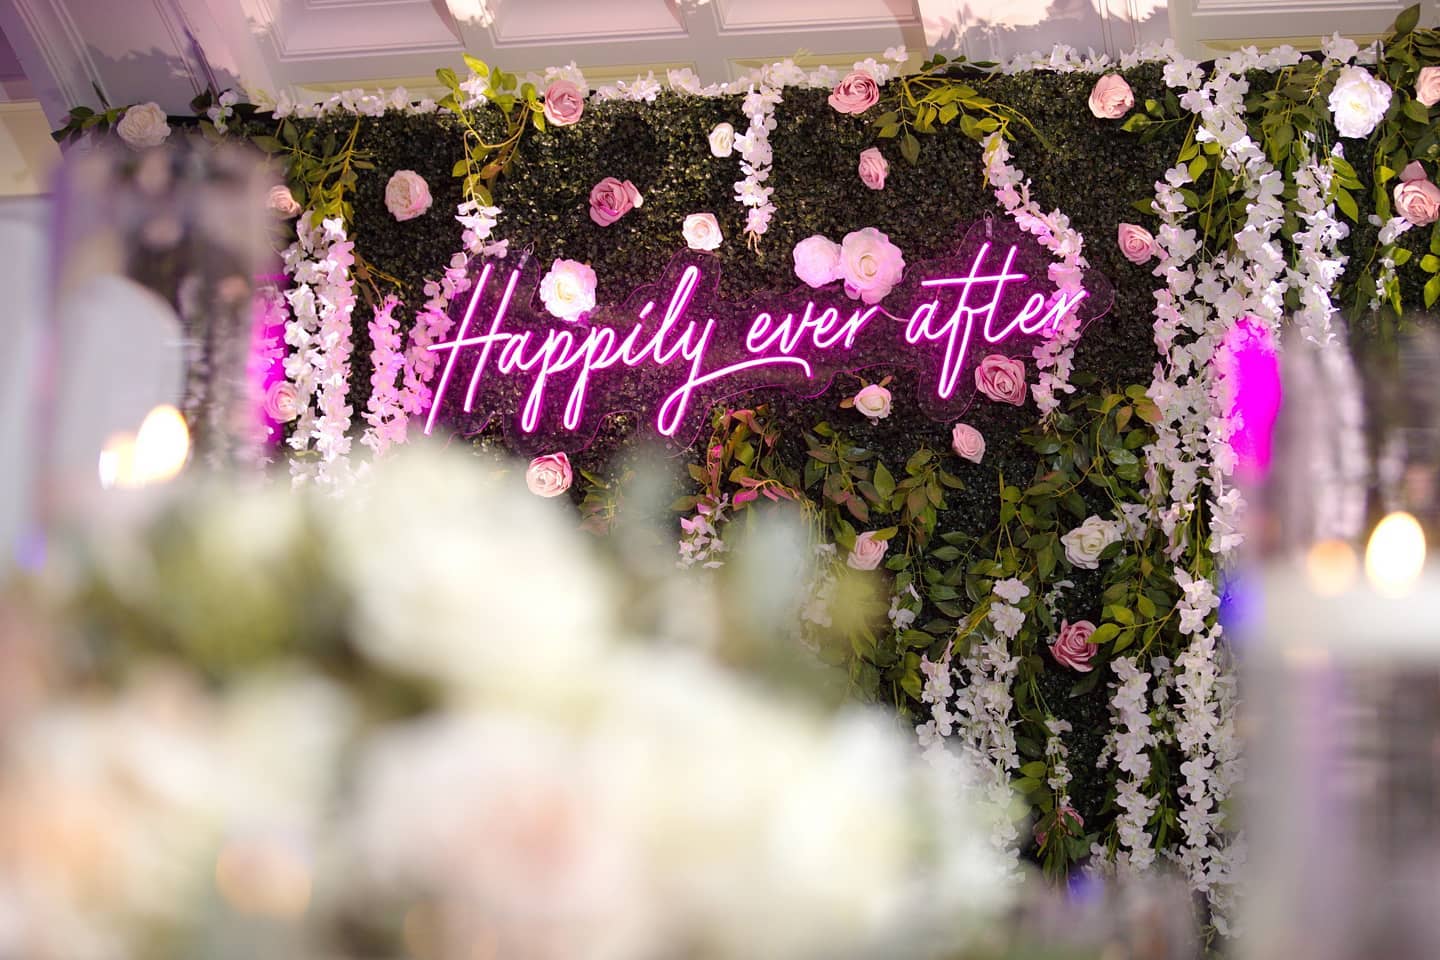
(239, 711)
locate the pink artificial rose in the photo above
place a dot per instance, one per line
(1427, 86)
(549, 476)
(282, 401)
(1136, 243)
(1111, 98)
(870, 265)
(817, 260)
(407, 195)
(563, 103)
(867, 553)
(282, 202)
(967, 442)
(1001, 378)
(1072, 648)
(857, 93)
(873, 168)
(611, 199)
(873, 402)
(1416, 198)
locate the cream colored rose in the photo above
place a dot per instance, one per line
(967, 442)
(1427, 86)
(568, 290)
(407, 195)
(722, 140)
(702, 231)
(1111, 97)
(282, 202)
(143, 126)
(873, 402)
(1358, 102)
(867, 553)
(817, 260)
(1085, 543)
(870, 265)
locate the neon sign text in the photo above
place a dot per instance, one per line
(675, 348)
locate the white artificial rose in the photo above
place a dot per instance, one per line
(143, 126)
(568, 290)
(722, 140)
(407, 195)
(1085, 543)
(1358, 102)
(870, 265)
(702, 231)
(817, 260)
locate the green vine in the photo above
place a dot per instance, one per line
(520, 105)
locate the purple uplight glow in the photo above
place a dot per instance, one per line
(670, 366)
(1249, 377)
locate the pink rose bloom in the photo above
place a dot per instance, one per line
(611, 199)
(1416, 198)
(1072, 648)
(817, 260)
(857, 93)
(1136, 243)
(873, 168)
(967, 442)
(868, 552)
(407, 195)
(549, 476)
(1001, 378)
(282, 202)
(1427, 86)
(870, 265)
(873, 402)
(563, 103)
(282, 401)
(1111, 98)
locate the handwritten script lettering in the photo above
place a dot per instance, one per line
(675, 348)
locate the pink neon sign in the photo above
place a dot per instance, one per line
(674, 348)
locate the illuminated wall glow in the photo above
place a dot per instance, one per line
(1248, 367)
(1395, 554)
(156, 453)
(670, 365)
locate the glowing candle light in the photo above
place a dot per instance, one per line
(1331, 566)
(162, 446)
(1395, 554)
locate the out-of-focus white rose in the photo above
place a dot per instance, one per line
(143, 126)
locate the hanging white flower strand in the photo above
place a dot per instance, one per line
(384, 413)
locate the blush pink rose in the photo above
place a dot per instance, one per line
(282, 401)
(873, 402)
(407, 195)
(1111, 97)
(868, 553)
(1072, 648)
(817, 260)
(549, 476)
(564, 103)
(870, 265)
(611, 199)
(873, 168)
(1136, 243)
(1001, 378)
(1416, 198)
(856, 93)
(967, 442)
(1427, 86)
(282, 202)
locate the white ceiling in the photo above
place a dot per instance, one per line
(166, 50)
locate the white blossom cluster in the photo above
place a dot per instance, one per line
(1320, 263)
(384, 414)
(319, 334)
(1055, 355)
(1056, 756)
(756, 156)
(700, 540)
(355, 101)
(1133, 738)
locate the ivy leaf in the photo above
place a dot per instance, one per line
(477, 65)
(1417, 111)
(884, 481)
(1105, 633)
(910, 148)
(447, 76)
(1407, 21)
(1432, 291)
(1346, 202)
